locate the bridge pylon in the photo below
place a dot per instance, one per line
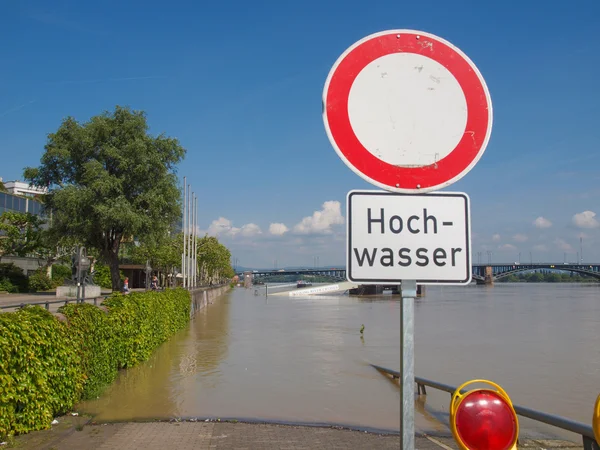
(488, 276)
(248, 277)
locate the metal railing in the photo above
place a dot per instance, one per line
(47, 303)
(94, 300)
(585, 431)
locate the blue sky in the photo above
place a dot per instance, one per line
(240, 84)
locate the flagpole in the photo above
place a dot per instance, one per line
(193, 240)
(196, 242)
(189, 256)
(183, 228)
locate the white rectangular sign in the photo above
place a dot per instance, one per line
(393, 237)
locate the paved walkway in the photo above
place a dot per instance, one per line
(227, 436)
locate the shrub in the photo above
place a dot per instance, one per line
(46, 366)
(102, 276)
(143, 321)
(7, 286)
(60, 273)
(90, 328)
(11, 275)
(40, 370)
(40, 281)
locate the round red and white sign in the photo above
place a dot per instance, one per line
(407, 111)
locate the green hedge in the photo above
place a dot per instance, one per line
(46, 366)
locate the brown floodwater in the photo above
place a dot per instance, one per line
(539, 341)
(281, 358)
(303, 359)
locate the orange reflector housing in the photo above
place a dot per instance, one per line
(483, 419)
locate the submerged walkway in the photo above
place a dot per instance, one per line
(228, 436)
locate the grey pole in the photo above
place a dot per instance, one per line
(78, 296)
(183, 228)
(407, 360)
(195, 240)
(190, 247)
(192, 240)
(189, 238)
(193, 265)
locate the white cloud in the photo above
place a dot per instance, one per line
(250, 229)
(564, 246)
(542, 222)
(496, 237)
(278, 229)
(540, 248)
(520, 237)
(321, 221)
(507, 247)
(586, 219)
(224, 227)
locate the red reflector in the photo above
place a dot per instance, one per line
(485, 422)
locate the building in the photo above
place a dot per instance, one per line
(18, 200)
(20, 188)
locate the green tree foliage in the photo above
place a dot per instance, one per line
(108, 180)
(162, 252)
(214, 260)
(25, 234)
(55, 246)
(2, 187)
(60, 273)
(21, 233)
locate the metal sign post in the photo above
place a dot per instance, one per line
(410, 113)
(407, 353)
(78, 276)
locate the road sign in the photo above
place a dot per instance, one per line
(407, 111)
(393, 237)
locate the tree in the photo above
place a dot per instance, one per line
(55, 246)
(2, 187)
(24, 234)
(214, 260)
(21, 233)
(108, 181)
(162, 252)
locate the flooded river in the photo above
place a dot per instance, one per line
(303, 359)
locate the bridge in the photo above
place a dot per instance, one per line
(333, 274)
(488, 273)
(482, 273)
